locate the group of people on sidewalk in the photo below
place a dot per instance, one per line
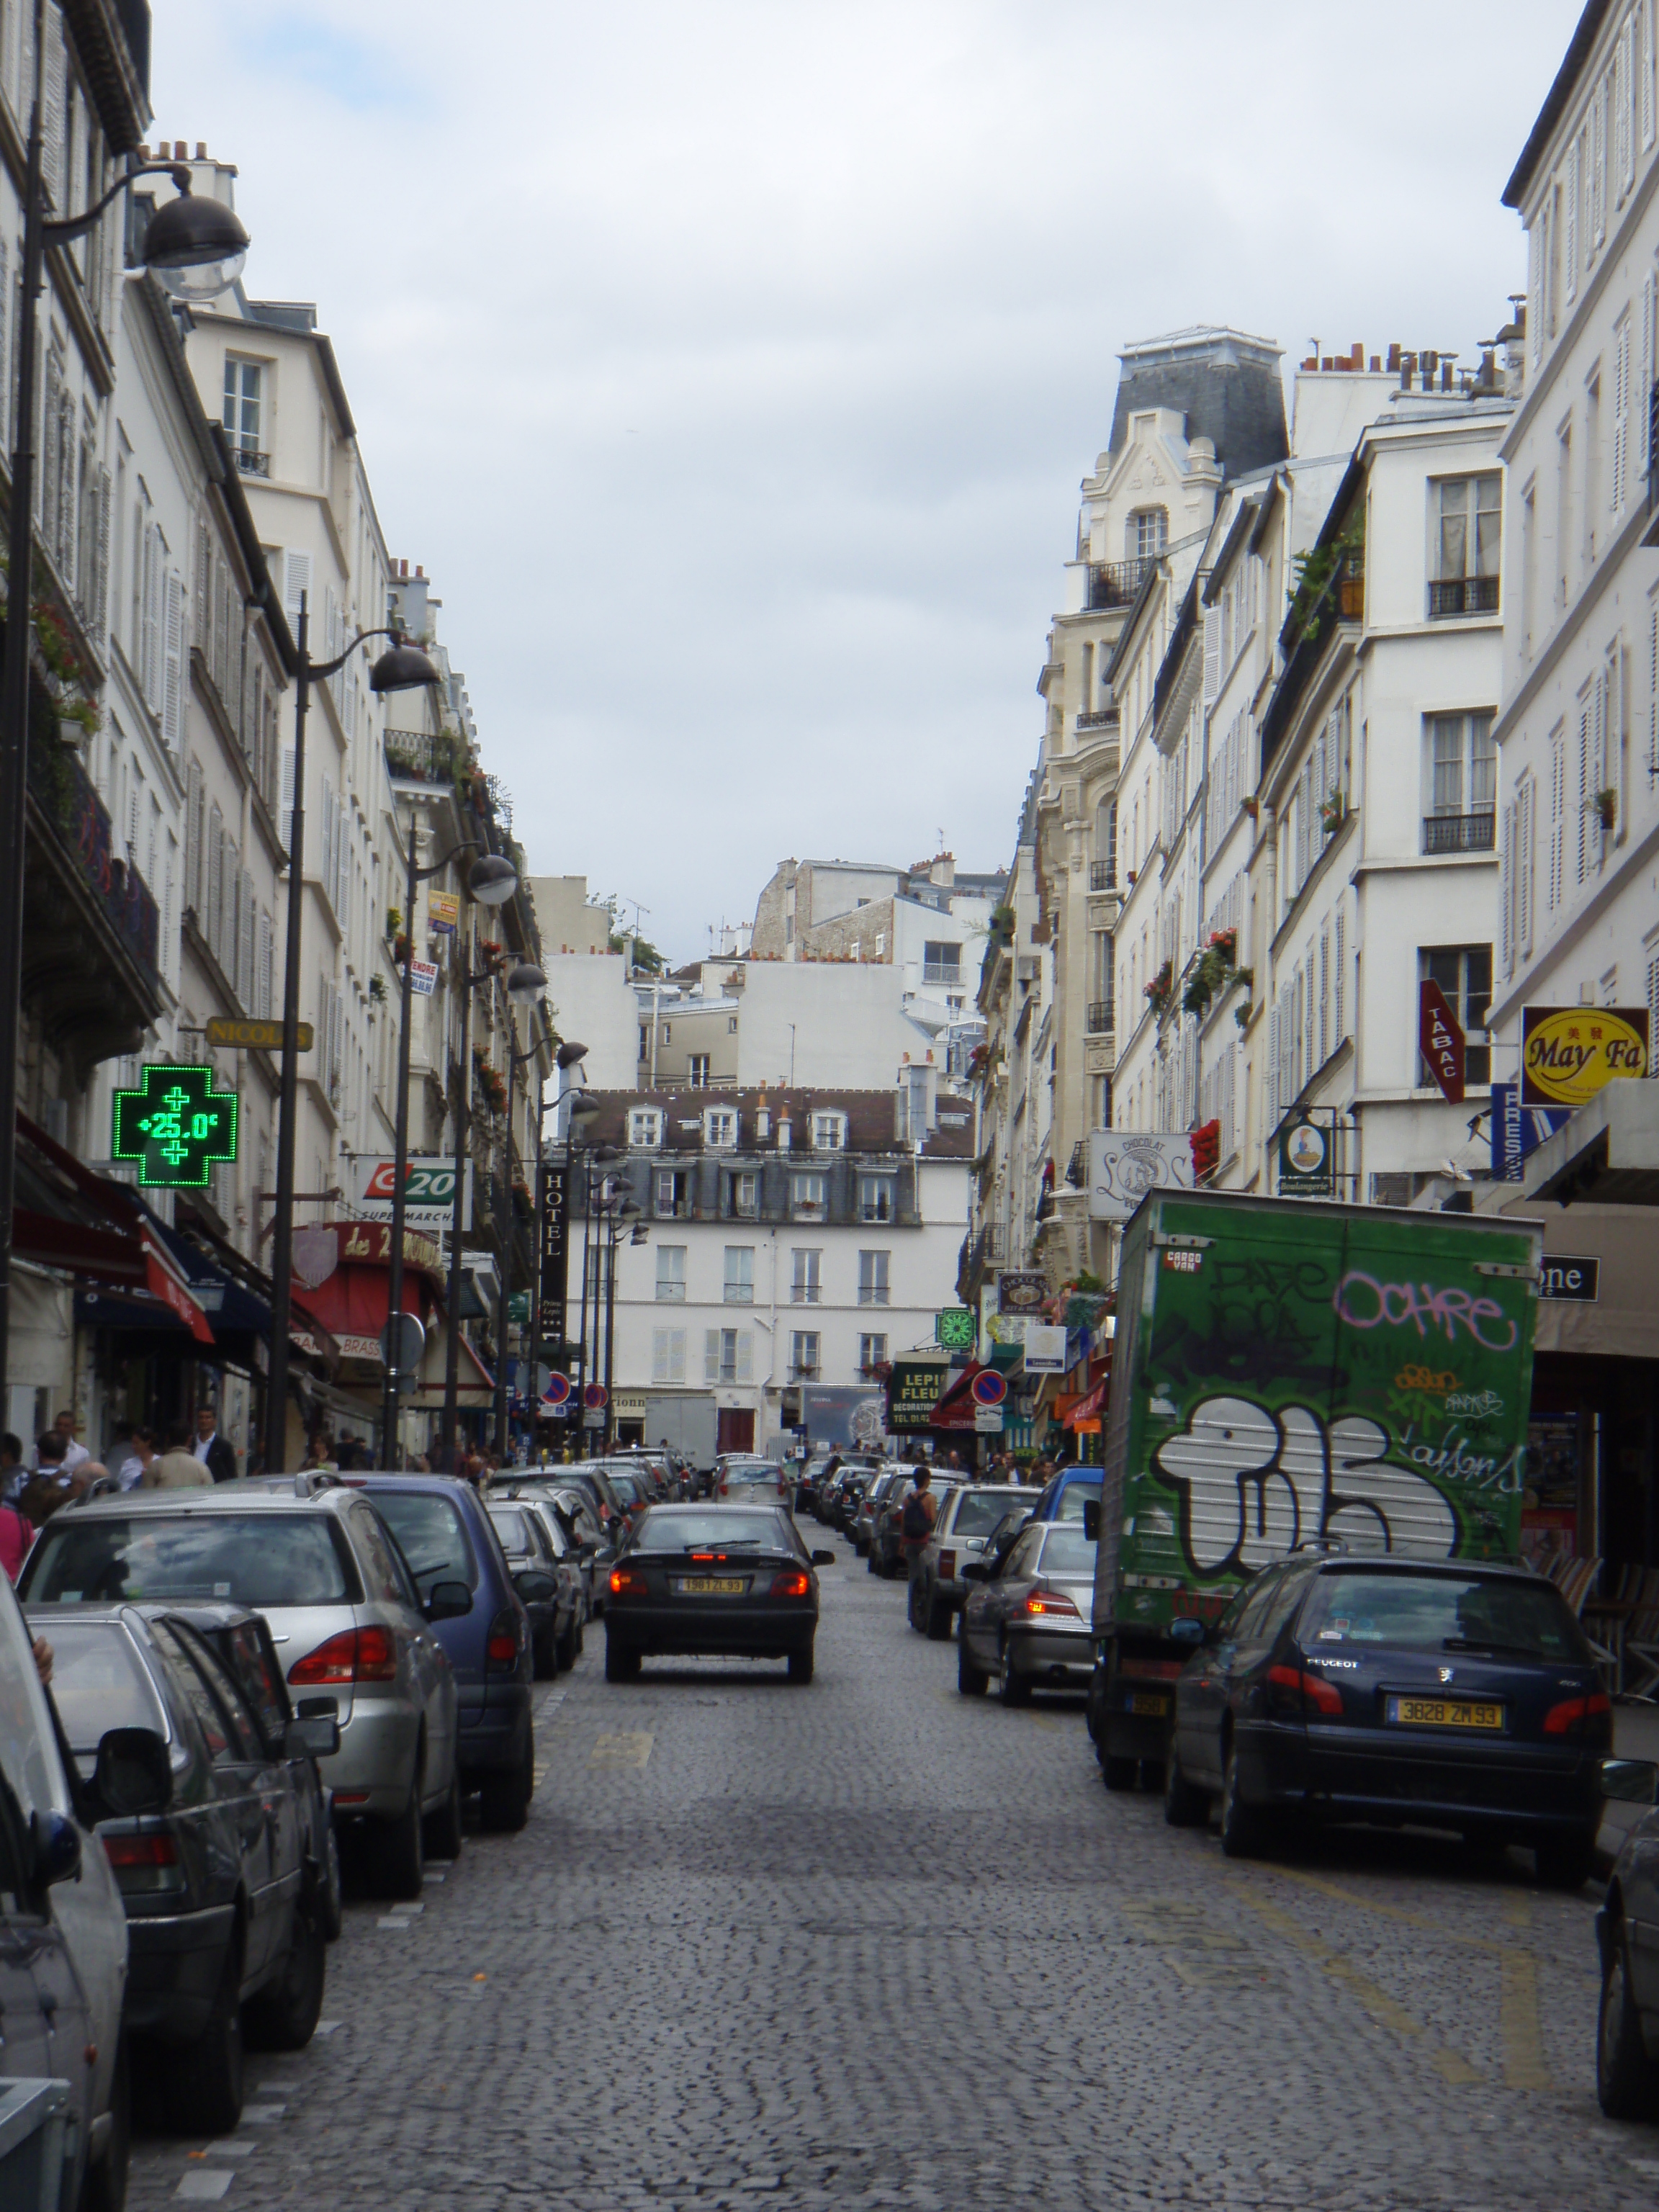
(60, 1467)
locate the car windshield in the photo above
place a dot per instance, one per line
(682, 1531)
(1068, 1552)
(429, 1526)
(979, 1511)
(99, 1683)
(509, 1526)
(1075, 1496)
(628, 1488)
(255, 1560)
(1439, 1612)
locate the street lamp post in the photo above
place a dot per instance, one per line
(402, 667)
(497, 880)
(196, 247)
(525, 986)
(627, 1212)
(593, 1156)
(486, 883)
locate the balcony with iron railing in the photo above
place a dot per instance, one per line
(250, 462)
(1101, 1018)
(1077, 1168)
(1103, 875)
(425, 756)
(1100, 718)
(1116, 583)
(942, 971)
(1459, 833)
(1451, 596)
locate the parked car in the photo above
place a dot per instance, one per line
(553, 1601)
(596, 1549)
(207, 1831)
(446, 1536)
(314, 1557)
(963, 1526)
(590, 1477)
(63, 1930)
(752, 1482)
(1067, 1493)
(1378, 1689)
(575, 1573)
(574, 1536)
(863, 1514)
(732, 1581)
(1026, 1618)
(1627, 1937)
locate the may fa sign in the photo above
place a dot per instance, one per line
(1569, 1052)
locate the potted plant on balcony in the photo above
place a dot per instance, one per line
(394, 920)
(1159, 990)
(1605, 803)
(1333, 812)
(377, 989)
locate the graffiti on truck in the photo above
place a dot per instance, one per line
(1252, 1484)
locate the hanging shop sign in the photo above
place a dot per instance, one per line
(229, 1035)
(176, 1125)
(1517, 1130)
(955, 1329)
(1307, 1161)
(1441, 1040)
(423, 977)
(1569, 1052)
(1124, 1164)
(443, 910)
(428, 1190)
(1022, 1291)
(1045, 1348)
(913, 1391)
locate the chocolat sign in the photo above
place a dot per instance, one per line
(1569, 1052)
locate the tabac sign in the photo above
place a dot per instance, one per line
(1569, 1052)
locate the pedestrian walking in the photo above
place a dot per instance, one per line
(14, 1476)
(916, 1519)
(217, 1453)
(72, 1453)
(17, 1535)
(178, 1466)
(140, 1457)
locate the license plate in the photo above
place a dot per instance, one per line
(1444, 1712)
(1149, 1702)
(709, 1586)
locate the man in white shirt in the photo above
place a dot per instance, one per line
(73, 1453)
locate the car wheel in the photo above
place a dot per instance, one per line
(800, 1665)
(284, 2015)
(443, 1828)
(872, 1565)
(861, 1546)
(621, 1661)
(397, 1855)
(1241, 1825)
(504, 1799)
(1119, 1773)
(1012, 1687)
(1627, 2079)
(104, 2186)
(568, 1644)
(971, 1680)
(1185, 1805)
(939, 1617)
(544, 1656)
(204, 2079)
(1566, 1866)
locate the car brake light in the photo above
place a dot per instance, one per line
(793, 1582)
(1572, 1711)
(1050, 1602)
(1312, 1690)
(627, 1581)
(356, 1655)
(947, 1566)
(377, 1655)
(151, 1850)
(501, 1648)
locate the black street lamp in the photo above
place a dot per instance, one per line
(196, 247)
(486, 883)
(401, 667)
(593, 1156)
(625, 1213)
(525, 986)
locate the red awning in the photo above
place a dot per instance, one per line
(957, 1406)
(1090, 1408)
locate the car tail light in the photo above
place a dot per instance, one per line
(144, 1862)
(356, 1655)
(1309, 1695)
(1050, 1602)
(377, 1655)
(502, 1650)
(627, 1581)
(947, 1566)
(1572, 1712)
(793, 1582)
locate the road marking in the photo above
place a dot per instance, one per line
(324, 2028)
(393, 1920)
(1387, 2011)
(1517, 2017)
(628, 1747)
(204, 2183)
(258, 2115)
(1399, 1912)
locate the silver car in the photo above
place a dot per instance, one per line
(966, 1520)
(316, 1559)
(1027, 1618)
(743, 1479)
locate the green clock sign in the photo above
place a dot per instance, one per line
(957, 1328)
(176, 1125)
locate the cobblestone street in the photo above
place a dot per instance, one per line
(870, 1943)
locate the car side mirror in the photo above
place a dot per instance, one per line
(1628, 1781)
(312, 1739)
(976, 1571)
(536, 1587)
(824, 1559)
(448, 1602)
(56, 1848)
(1091, 1519)
(134, 1773)
(1186, 1630)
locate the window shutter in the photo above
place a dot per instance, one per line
(1536, 282)
(711, 1356)
(156, 623)
(266, 950)
(297, 582)
(1341, 1006)
(1557, 813)
(173, 692)
(192, 833)
(1524, 869)
(53, 134)
(1644, 394)
(47, 447)
(288, 798)
(745, 1355)
(1324, 996)
(1586, 720)
(1620, 413)
(215, 854)
(1212, 652)
(1625, 94)
(1644, 74)
(105, 497)
(1569, 214)
(203, 629)
(1598, 161)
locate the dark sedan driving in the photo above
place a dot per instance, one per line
(714, 1581)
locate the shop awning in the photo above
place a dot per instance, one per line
(1608, 1152)
(477, 1387)
(1088, 1409)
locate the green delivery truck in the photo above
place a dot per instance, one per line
(1287, 1372)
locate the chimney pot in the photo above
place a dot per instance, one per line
(420, 571)
(180, 149)
(201, 149)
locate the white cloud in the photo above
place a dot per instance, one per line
(732, 367)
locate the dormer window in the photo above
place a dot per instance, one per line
(719, 1129)
(1148, 533)
(828, 1133)
(645, 1129)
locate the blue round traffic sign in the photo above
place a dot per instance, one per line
(558, 1390)
(988, 1387)
(595, 1397)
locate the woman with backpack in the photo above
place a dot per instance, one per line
(916, 1519)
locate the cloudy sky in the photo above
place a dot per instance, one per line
(733, 367)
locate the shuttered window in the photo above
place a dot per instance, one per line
(1620, 412)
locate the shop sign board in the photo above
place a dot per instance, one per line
(1577, 1280)
(175, 1126)
(1441, 1040)
(1022, 1289)
(1517, 1130)
(428, 1189)
(443, 910)
(1307, 1164)
(423, 977)
(1569, 1052)
(1045, 1348)
(913, 1392)
(954, 1328)
(1124, 1164)
(227, 1033)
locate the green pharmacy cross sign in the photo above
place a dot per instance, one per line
(176, 1125)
